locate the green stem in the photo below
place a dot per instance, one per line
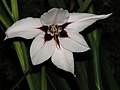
(25, 55)
(8, 9)
(3, 18)
(43, 78)
(84, 6)
(108, 73)
(80, 2)
(96, 67)
(94, 38)
(81, 76)
(19, 46)
(58, 81)
(30, 82)
(94, 41)
(14, 7)
(81, 73)
(21, 79)
(23, 59)
(19, 52)
(51, 82)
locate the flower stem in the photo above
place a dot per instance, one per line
(3, 18)
(18, 49)
(43, 78)
(84, 5)
(81, 76)
(14, 7)
(94, 39)
(81, 72)
(108, 72)
(8, 9)
(96, 67)
(19, 46)
(30, 82)
(80, 2)
(24, 66)
(19, 81)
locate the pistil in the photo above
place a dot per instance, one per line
(55, 32)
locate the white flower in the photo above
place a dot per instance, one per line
(56, 35)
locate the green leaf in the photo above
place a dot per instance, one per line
(112, 85)
(81, 76)
(36, 80)
(21, 79)
(17, 45)
(25, 55)
(4, 18)
(19, 52)
(14, 7)
(50, 84)
(43, 78)
(8, 9)
(80, 2)
(84, 6)
(58, 82)
(94, 41)
(24, 61)
(30, 82)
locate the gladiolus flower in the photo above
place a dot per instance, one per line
(56, 35)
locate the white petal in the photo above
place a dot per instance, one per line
(36, 45)
(26, 28)
(78, 38)
(55, 16)
(43, 53)
(82, 23)
(72, 45)
(61, 17)
(63, 59)
(77, 16)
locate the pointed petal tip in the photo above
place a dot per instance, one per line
(107, 15)
(72, 72)
(74, 75)
(85, 49)
(5, 38)
(88, 48)
(110, 13)
(33, 63)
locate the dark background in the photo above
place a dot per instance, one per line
(9, 66)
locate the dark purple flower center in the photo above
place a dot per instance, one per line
(54, 31)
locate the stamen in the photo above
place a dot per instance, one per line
(55, 31)
(56, 41)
